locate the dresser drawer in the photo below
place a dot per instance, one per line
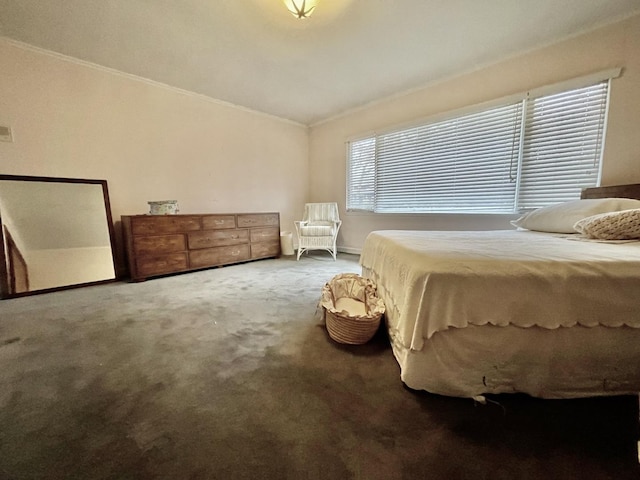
(217, 238)
(265, 249)
(212, 222)
(208, 257)
(269, 234)
(258, 220)
(154, 224)
(159, 264)
(155, 244)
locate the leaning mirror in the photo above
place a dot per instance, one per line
(55, 233)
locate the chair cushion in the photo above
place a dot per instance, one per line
(314, 212)
(316, 230)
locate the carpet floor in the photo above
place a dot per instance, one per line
(229, 373)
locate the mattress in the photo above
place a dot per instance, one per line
(468, 313)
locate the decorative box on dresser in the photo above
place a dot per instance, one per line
(163, 244)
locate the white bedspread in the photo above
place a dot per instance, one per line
(433, 281)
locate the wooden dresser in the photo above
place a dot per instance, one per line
(163, 244)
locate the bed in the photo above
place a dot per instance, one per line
(541, 309)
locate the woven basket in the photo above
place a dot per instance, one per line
(343, 326)
(163, 207)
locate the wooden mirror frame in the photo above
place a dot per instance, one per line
(5, 290)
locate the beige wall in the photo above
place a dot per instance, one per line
(148, 141)
(617, 45)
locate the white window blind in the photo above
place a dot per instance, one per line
(462, 164)
(562, 146)
(521, 155)
(361, 174)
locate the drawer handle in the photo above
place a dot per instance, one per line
(235, 253)
(219, 222)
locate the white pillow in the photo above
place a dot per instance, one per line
(623, 225)
(562, 217)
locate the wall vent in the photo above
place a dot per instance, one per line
(5, 134)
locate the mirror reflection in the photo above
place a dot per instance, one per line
(56, 233)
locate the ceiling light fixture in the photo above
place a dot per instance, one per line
(301, 8)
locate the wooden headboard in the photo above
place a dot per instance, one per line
(631, 190)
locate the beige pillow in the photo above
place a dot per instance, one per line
(623, 225)
(561, 218)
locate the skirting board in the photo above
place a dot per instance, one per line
(352, 250)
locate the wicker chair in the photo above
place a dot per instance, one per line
(318, 228)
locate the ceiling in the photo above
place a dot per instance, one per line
(254, 54)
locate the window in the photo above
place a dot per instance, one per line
(531, 152)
